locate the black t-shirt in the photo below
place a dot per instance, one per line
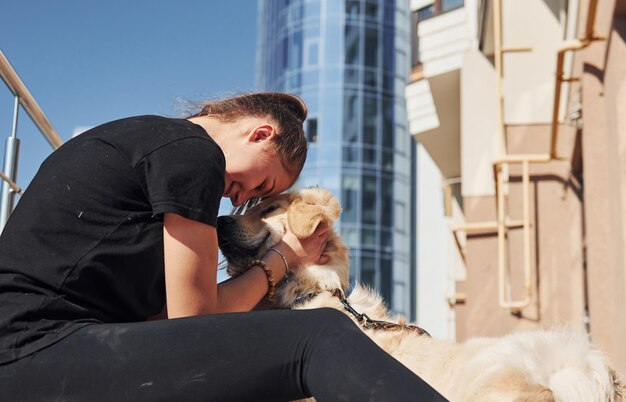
(85, 242)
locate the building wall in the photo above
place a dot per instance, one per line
(556, 247)
(529, 76)
(604, 160)
(436, 253)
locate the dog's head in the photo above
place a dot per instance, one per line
(243, 238)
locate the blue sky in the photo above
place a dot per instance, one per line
(88, 62)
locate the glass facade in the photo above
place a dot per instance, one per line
(349, 60)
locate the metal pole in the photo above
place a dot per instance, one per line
(10, 168)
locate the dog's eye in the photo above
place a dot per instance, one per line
(269, 210)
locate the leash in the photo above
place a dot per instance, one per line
(367, 323)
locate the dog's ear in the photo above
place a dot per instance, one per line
(303, 218)
(309, 208)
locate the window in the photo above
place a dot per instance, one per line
(370, 78)
(369, 154)
(352, 36)
(349, 187)
(370, 200)
(311, 52)
(387, 202)
(350, 153)
(295, 51)
(350, 236)
(425, 12)
(371, 47)
(388, 118)
(353, 8)
(370, 117)
(371, 10)
(386, 240)
(312, 9)
(351, 117)
(368, 237)
(351, 75)
(353, 265)
(311, 129)
(386, 269)
(447, 5)
(368, 271)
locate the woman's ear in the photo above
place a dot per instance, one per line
(261, 133)
(303, 218)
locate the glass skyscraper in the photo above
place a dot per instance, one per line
(349, 60)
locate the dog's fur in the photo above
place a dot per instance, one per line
(556, 365)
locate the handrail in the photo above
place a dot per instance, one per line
(24, 98)
(17, 87)
(14, 187)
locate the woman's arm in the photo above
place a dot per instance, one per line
(191, 269)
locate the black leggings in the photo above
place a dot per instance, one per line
(259, 356)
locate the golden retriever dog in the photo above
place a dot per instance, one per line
(557, 365)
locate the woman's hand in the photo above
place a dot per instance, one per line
(299, 252)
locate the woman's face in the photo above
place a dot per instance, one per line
(254, 168)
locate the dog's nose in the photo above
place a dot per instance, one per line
(224, 221)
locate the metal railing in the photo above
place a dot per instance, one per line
(23, 98)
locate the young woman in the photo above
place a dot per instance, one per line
(120, 222)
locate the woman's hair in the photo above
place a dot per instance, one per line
(286, 110)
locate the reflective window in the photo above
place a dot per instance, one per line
(368, 271)
(368, 237)
(351, 153)
(350, 236)
(386, 202)
(371, 47)
(311, 129)
(349, 188)
(334, 49)
(370, 117)
(295, 12)
(388, 113)
(310, 78)
(312, 9)
(311, 52)
(369, 154)
(447, 5)
(295, 51)
(351, 117)
(353, 8)
(352, 44)
(387, 160)
(386, 240)
(386, 278)
(370, 199)
(351, 75)
(371, 10)
(285, 52)
(294, 81)
(353, 265)
(370, 78)
(425, 12)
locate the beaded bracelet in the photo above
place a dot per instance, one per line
(270, 277)
(287, 271)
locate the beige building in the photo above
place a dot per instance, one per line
(519, 111)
